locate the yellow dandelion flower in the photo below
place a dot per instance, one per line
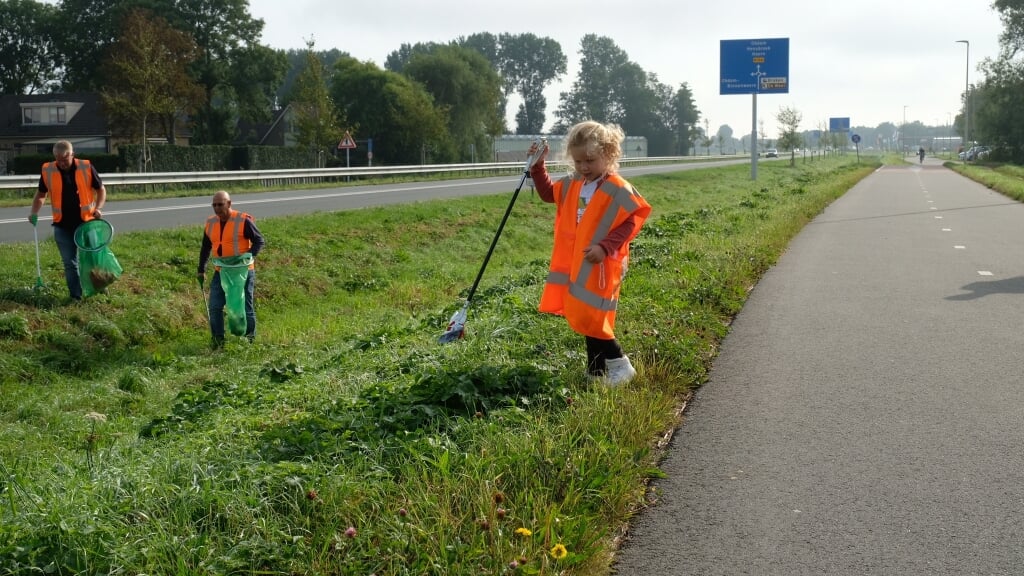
(558, 552)
(524, 532)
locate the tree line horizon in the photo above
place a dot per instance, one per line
(167, 67)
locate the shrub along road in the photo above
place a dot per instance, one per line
(864, 414)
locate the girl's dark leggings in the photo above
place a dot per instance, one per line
(598, 351)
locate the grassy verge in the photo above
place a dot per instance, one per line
(346, 440)
(1006, 179)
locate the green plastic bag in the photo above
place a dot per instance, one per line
(97, 269)
(97, 265)
(234, 271)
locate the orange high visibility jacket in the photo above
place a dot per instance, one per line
(228, 238)
(588, 294)
(55, 187)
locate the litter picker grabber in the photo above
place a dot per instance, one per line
(205, 301)
(39, 270)
(457, 325)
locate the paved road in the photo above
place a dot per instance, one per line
(128, 215)
(866, 413)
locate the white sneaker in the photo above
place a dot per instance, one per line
(619, 371)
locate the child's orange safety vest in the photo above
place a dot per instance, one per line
(588, 294)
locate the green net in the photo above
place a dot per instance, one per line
(234, 271)
(97, 265)
(94, 235)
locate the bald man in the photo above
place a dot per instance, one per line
(229, 233)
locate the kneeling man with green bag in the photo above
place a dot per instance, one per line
(234, 241)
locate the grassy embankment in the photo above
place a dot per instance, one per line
(1006, 179)
(346, 440)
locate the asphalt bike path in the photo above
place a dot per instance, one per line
(865, 415)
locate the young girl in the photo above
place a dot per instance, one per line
(597, 214)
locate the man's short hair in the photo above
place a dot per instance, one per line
(62, 146)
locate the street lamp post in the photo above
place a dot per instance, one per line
(967, 96)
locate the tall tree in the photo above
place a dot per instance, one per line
(686, 119)
(789, 120)
(396, 112)
(611, 88)
(1011, 12)
(467, 88)
(397, 60)
(592, 96)
(487, 45)
(297, 63)
(255, 74)
(27, 51)
(315, 115)
(528, 64)
(83, 31)
(998, 109)
(997, 102)
(146, 77)
(238, 75)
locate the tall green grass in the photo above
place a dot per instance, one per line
(1006, 179)
(346, 440)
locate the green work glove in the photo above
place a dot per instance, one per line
(33, 218)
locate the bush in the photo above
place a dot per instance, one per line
(33, 163)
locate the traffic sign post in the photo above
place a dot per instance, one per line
(346, 144)
(842, 126)
(759, 66)
(856, 144)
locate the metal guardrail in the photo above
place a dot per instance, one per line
(362, 172)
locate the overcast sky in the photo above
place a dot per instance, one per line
(865, 60)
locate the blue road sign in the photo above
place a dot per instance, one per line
(838, 124)
(754, 66)
(855, 138)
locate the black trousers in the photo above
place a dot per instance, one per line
(598, 351)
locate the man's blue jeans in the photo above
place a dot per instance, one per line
(69, 255)
(218, 300)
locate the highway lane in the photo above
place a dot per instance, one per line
(133, 215)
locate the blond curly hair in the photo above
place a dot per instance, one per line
(595, 138)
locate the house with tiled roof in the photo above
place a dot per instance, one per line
(33, 122)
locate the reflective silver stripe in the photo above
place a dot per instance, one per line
(621, 197)
(560, 278)
(566, 185)
(49, 172)
(210, 223)
(84, 169)
(239, 221)
(578, 291)
(49, 169)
